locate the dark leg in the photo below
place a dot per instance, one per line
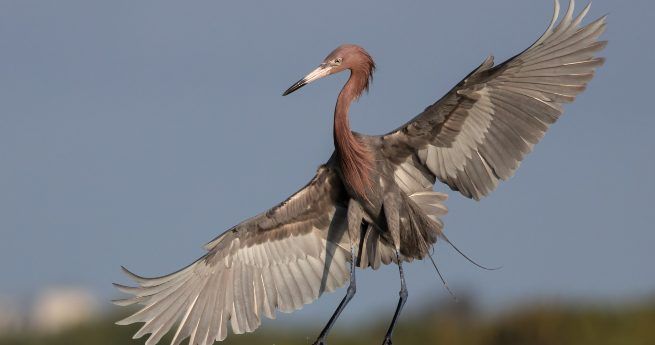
(352, 288)
(355, 216)
(401, 302)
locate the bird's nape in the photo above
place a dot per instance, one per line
(345, 57)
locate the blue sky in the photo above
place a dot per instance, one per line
(131, 133)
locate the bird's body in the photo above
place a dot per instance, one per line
(372, 202)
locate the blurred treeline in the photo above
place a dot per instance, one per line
(544, 324)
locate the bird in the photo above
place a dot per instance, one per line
(373, 202)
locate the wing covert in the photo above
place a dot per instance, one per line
(478, 133)
(281, 259)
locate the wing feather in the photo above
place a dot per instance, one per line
(478, 133)
(274, 261)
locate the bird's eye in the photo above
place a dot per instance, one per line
(337, 61)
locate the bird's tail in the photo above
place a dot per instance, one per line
(420, 228)
(421, 225)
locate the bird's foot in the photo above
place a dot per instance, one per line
(387, 341)
(320, 341)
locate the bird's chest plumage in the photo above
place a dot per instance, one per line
(381, 187)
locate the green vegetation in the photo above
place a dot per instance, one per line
(536, 325)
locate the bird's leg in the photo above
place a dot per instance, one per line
(401, 302)
(355, 216)
(393, 224)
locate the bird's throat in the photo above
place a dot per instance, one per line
(355, 158)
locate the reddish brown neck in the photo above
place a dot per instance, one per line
(355, 159)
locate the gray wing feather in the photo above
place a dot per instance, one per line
(480, 131)
(279, 260)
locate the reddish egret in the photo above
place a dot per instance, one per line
(373, 202)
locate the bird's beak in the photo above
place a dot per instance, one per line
(320, 72)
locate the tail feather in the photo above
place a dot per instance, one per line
(422, 225)
(420, 228)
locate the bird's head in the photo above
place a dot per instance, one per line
(346, 57)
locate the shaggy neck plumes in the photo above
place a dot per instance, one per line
(355, 159)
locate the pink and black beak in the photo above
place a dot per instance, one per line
(320, 72)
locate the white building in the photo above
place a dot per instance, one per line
(59, 308)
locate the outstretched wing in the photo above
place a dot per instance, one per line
(478, 133)
(280, 259)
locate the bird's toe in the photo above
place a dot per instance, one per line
(320, 341)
